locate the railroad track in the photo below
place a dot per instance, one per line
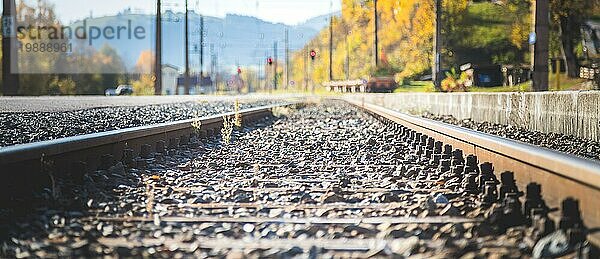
(78, 155)
(561, 175)
(318, 179)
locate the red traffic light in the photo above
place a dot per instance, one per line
(313, 54)
(270, 61)
(239, 70)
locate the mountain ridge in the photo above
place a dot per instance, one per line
(233, 39)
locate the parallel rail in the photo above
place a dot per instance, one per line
(560, 175)
(25, 167)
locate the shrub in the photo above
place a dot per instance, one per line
(454, 82)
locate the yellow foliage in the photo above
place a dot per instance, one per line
(65, 86)
(145, 62)
(144, 86)
(405, 42)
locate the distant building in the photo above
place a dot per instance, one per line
(514, 75)
(483, 75)
(169, 79)
(197, 86)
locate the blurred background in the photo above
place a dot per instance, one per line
(241, 46)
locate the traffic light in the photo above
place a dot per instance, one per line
(313, 54)
(239, 70)
(270, 61)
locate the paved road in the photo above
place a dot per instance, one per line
(69, 103)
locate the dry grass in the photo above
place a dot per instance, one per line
(227, 130)
(238, 114)
(197, 123)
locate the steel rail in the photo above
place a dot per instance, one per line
(561, 175)
(23, 165)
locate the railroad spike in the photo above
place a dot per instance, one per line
(508, 185)
(444, 166)
(106, 161)
(533, 200)
(486, 174)
(469, 184)
(436, 160)
(423, 140)
(78, 170)
(184, 139)
(173, 143)
(160, 146)
(438, 147)
(146, 151)
(458, 155)
(512, 211)
(570, 215)
(489, 195)
(541, 223)
(472, 164)
(127, 157)
(447, 151)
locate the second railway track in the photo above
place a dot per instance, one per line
(325, 179)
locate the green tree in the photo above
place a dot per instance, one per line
(568, 17)
(35, 66)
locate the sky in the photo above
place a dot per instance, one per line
(285, 11)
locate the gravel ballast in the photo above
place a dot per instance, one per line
(28, 127)
(560, 142)
(320, 181)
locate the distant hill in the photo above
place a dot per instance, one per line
(319, 22)
(233, 39)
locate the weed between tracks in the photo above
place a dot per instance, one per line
(48, 166)
(150, 198)
(229, 123)
(281, 111)
(196, 123)
(227, 129)
(238, 115)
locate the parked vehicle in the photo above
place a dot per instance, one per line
(124, 90)
(382, 84)
(110, 92)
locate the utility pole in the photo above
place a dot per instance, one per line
(212, 66)
(259, 74)
(275, 66)
(436, 72)
(10, 59)
(541, 46)
(201, 47)
(306, 69)
(158, 51)
(331, 48)
(310, 72)
(187, 51)
(347, 58)
(376, 36)
(287, 59)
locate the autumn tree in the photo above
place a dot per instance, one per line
(568, 17)
(84, 71)
(145, 62)
(145, 84)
